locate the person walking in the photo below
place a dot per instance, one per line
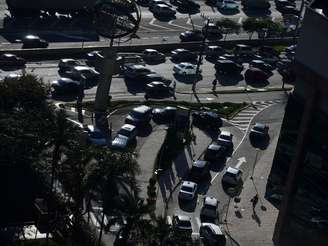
(214, 83)
(255, 200)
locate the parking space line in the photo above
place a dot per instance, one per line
(171, 23)
(152, 24)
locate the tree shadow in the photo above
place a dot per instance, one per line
(229, 80)
(232, 191)
(145, 130)
(256, 218)
(65, 98)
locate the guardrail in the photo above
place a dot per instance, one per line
(79, 52)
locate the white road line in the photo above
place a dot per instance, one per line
(171, 23)
(241, 160)
(189, 23)
(152, 24)
(240, 20)
(147, 28)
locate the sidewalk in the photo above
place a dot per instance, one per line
(248, 228)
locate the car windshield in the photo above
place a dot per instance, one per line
(124, 132)
(186, 188)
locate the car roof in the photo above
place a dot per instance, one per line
(215, 228)
(67, 59)
(199, 163)
(183, 217)
(156, 83)
(226, 133)
(233, 170)
(189, 184)
(142, 108)
(257, 61)
(68, 80)
(137, 66)
(161, 5)
(243, 46)
(212, 201)
(215, 146)
(31, 37)
(120, 141)
(170, 108)
(180, 50)
(225, 61)
(128, 127)
(150, 50)
(8, 55)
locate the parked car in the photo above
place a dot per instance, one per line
(199, 171)
(230, 5)
(136, 72)
(182, 225)
(232, 177)
(243, 49)
(215, 153)
(64, 86)
(11, 60)
(228, 67)
(259, 131)
(212, 32)
(288, 10)
(164, 115)
(185, 68)
(191, 36)
(67, 64)
(284, 3)
(261, 65)
(156, 77)
(209, 211)
(152, 55)
(96, 136)
(213, 52)
(183, 55)
(188, 190)
(212, 235)
(124, 137)
(158, 89)
(153, 3)
(139, 116)
(187, 4)
(80, 72)
(206, 120)
(255, 75)
(33, 41)
(163, 10)
(225, 139)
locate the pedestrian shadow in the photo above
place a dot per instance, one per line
(256, 218)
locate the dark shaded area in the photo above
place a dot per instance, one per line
(165, 18)
(260, 142)
(188, 79)
(144, 130)
(218, 166)
(256, 13)
(135, 86)
(228, 80)
(188, 206)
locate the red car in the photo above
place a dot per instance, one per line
(255, 75)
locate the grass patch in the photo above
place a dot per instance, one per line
(226, 109)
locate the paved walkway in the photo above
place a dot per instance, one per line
(254, 228)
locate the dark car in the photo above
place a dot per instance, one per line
(139, 116)
(136, 72)
(199, 171)
(266, 51)
(148, 78)
(32, 41)
(11, 60)
(164, 115)
(158, 89)
(259, 131)
(191, 36)
(183, 55)
(213, 52)
(215, 153)
(209, 211)
(228, 67)
(212, 32)
(256, 75)
(206, 120)
(64, 86)
(261, 65)
(187, 4)
(152, 55)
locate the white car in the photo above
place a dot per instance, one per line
(225, 139)
(67, 64)
(187, 190)
(185, 68)
(232, 176)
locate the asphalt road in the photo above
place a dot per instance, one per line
(67, 31)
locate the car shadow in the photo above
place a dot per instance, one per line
(226, 80)
(11, 68)
(187, 79)
(218, 166)
(188, 206)
(134, 86)
(145, 130)
(259, 84)
(256, 13)
(164, 18)
(233, 191)
(261, 144)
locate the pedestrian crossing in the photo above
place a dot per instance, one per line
(244, 117)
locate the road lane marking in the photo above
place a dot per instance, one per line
(152, 24)
(240, 162)
(147, 28)
(189, 23)
(240, 20)
(183, 27)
